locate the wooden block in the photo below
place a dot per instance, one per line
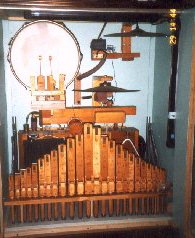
(62, 82)
(47, 161)
(111, 187)
(11, 186)
(77, 94)
(50, 83)
(28, 182)
(112, 117)
(80, 188)
(137, 174)
(23, 182)
(71, 159)
(79, 140)
(41, 167)
(54, 173)
(104, 187)
(89, 187)
(40, 82)
(17, 186)
(88, 151)
(96, 151)
(119, 163)
(97, 187)
(62, 163)
(85, 114)
(111, 160)
(149, 177)
(32, 83)
(119, 186)
(54, 167)
(143, 176)
(131, 177)
(62, 189)
(104, 158)
(34, 180)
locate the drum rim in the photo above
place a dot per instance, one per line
(59, 24)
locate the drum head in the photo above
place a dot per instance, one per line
(49, 40)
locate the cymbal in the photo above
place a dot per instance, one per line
(137, 32)
(106, 87)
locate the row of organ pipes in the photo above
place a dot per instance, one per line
(88, 176)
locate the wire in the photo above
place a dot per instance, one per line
(132, 145)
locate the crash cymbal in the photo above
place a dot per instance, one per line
(106, 87)
(137, 32)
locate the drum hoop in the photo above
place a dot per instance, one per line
(61, 25)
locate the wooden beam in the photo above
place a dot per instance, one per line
(85, 114)
(84, 227)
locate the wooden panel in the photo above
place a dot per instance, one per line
(112, 117)
(111, 159)
(131, 172)
(71, 159)
(47, 160)
(143, 176)
(28, 182)
(23, 182)
(104, 157)
(88, 151)
(137, 174)
(34, 180)
(71, 165)
(96, 151)
(77, 94)
(126, 41)
(79, 158)
(62, 169)
(11, 186)
(41, 173)
(62, 162)
(85, 114)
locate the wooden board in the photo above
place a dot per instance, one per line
(62, 169)
(85, 114)
(34, 172)
(114, 117)
(41, 173)
(88, 151)
(96, 151)
(137, 174)
(79, 158)
(131, 172)
(71, 165)
(62, 163)
(104, 158)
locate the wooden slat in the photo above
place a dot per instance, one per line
(81, 198)
(54, 172)
(85, 114)
(71, 165)
(88, 151)
(79, 158)
(114, 117)
(62, 169)
(96, 152)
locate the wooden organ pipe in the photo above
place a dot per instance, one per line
(89, 171)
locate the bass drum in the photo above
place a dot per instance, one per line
(44, 47)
